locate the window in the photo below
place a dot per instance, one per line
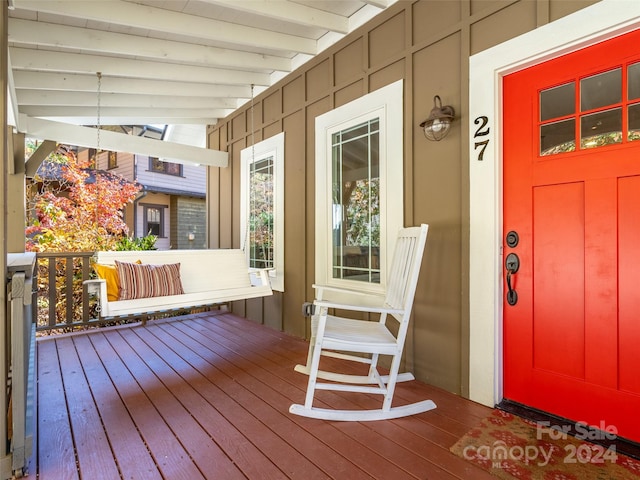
(359, 189)
(262, 207)
(355, 206)
(153, 220)
(170, 168)
(112, 161)
(598, 111)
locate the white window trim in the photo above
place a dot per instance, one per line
(387, 103)
(593, 24)
(273, 146)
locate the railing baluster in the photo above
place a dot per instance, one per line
(86, 270)
(53, 291)
(68, 287)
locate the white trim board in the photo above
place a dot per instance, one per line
(604, 20)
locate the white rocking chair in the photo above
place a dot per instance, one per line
(335, 336)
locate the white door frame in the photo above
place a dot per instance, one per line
(598, 22)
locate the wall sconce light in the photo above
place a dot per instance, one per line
(437, 125)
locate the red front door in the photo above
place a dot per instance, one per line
(572, 196)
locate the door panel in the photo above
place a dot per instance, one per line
(558, 319)
(572, 192)
(629, 282)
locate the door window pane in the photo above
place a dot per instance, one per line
(356, 202)
(634, 122)
(558, 101)
(634, 81)
(601, 90)
(558, 137)
(602, 128)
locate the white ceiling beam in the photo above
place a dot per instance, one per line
(90, 112)
(135, 86)
(120, 142)
(289, 12)
(54, 97)
(380, 3)
(131, 119)
(28, 59)
(166, 21)
(27, 32)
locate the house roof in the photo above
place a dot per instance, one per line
(173, 62)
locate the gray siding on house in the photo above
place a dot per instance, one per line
(188, 223)
(193, 178)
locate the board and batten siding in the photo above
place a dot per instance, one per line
(427, 44)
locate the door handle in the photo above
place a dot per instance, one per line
(512, 265)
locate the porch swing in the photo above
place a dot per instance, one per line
(146, 282)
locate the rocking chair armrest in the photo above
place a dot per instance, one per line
(362, 301)
(343, 290)
(358, 308)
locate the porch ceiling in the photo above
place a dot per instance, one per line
(162, 61)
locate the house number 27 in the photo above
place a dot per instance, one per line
(481, 131)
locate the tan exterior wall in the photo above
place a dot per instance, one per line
(427, 44)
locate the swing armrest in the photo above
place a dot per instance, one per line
(259, 276)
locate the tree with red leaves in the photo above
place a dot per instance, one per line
(74, 208)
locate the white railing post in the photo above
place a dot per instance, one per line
(20, 375)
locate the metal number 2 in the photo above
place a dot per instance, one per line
(481, 131)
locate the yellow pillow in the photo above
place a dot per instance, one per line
(110, 274)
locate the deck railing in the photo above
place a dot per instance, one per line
(62, 301)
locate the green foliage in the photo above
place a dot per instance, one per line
(143, 243)
(363, 213)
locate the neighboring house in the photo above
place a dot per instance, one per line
(171, 204)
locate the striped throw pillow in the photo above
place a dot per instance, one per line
(144, 281)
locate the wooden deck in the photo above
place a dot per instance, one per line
(207, 396)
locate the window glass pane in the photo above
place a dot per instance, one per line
(603, 128)
(634, 122)
(558, 101)
(356, 203)
(153, 221)
(634, 81)
(169, 168)
(601, 90)
(261, 213)
(112, 160)
(558, 137)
